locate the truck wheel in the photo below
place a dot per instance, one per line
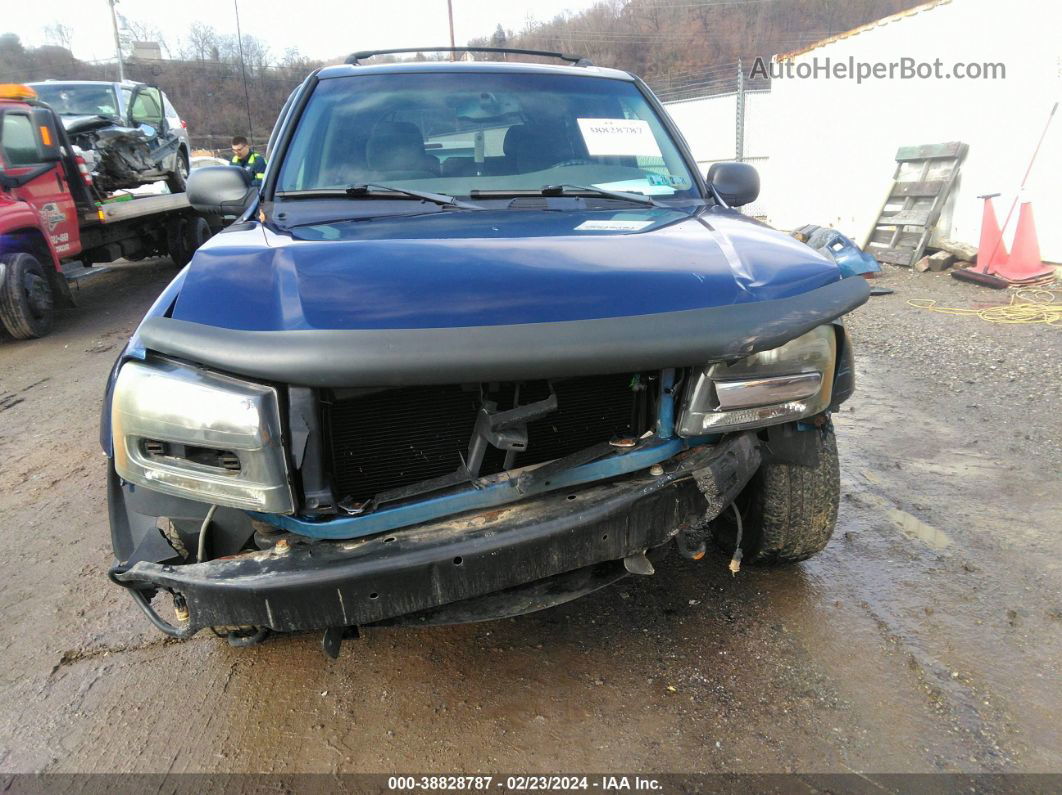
(177, 181)
(788, 511)
(196, 233)
(175, 242)
(26, 299)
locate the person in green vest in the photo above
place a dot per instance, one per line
(245, 157)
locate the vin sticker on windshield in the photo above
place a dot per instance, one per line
(612, 226)
(618, 137)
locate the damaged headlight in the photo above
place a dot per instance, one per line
(786, 383)
(201, 435)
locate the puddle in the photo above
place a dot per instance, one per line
(914, 527)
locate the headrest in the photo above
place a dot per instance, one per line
(394, 146)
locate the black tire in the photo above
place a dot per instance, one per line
(196, 233)
(177, 181)
(788, 511)
(26, 299)
(175, 242)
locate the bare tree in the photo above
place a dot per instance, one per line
(201, 43)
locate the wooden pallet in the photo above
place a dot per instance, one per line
(923, 180)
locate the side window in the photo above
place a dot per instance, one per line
(147, 108)
(18, 141)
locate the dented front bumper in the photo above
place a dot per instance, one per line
(328, 584)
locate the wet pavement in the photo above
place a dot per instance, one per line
(925, 638)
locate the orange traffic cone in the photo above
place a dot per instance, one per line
(992, 251)
(1024, 263)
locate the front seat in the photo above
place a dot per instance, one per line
(395, 150)
(536, 147)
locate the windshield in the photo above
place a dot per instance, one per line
(68, 99)
(456, 133)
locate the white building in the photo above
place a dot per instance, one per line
(831, 142)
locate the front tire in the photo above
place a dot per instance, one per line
(177, 181)
(788, 510)
(26, 299)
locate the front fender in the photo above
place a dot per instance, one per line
(22, 229)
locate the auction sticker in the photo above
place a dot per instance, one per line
(622, 137)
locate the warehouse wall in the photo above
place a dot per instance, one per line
(833, 142)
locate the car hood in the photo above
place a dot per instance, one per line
(77, 124)
(457, 268)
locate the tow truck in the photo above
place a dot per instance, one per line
(54, 223)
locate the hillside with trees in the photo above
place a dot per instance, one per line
(681, 47)
(674, 44)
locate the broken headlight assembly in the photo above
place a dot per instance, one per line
(197, 434)
(790, 382)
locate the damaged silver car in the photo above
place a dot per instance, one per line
(128, 133)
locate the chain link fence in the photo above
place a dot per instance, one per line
(723, 115)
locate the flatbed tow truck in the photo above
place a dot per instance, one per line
(55, 225)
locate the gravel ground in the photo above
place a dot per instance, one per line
(1008, 376)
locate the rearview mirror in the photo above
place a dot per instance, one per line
(737, 184)
(220, 190)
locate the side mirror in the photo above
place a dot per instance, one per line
(737, 184)
(220, 190)
(47, 135)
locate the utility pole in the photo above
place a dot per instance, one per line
(117, 43)
(739, 127)
(243, 71)
(450, 11)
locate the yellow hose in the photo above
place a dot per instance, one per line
(1026, 306)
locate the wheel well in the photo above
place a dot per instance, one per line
(32, 241)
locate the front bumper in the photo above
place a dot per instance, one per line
(335, 584)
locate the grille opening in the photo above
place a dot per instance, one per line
(398, 437)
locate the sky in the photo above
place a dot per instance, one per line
(320, 29)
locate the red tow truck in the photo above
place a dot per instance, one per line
(54, 223)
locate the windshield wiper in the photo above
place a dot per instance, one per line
(572, 190)
(367, 190)
(370, 188)
(560, 190)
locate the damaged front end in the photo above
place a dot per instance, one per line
(531, 554)
(426, 504)
(118, 157)
(283, 509)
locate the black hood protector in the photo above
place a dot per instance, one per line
(405, 357)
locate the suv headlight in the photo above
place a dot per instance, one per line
(786, 383)
(201, 435)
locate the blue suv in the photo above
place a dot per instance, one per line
(482, 341)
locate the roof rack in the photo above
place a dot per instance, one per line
(578, 60)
